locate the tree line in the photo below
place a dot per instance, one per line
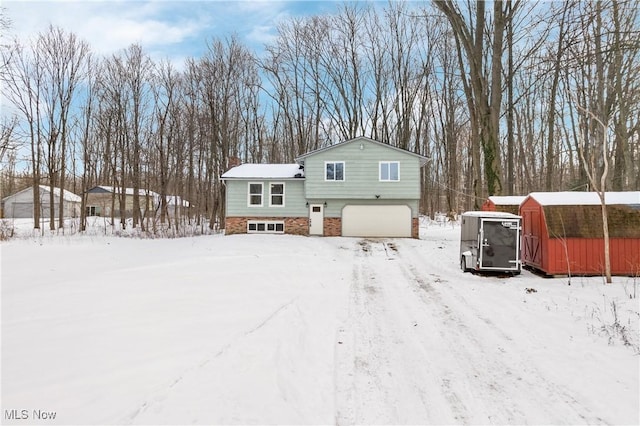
(504, 97)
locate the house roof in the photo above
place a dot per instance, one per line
(585, 198)
(128, 191)
(264, 171)
(507, 200)
(423, 159)
(68, 195)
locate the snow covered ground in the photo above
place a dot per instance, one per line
(264, 329)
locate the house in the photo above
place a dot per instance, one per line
(359, 188)
(20, 204)
(504, 204)
(562, 232)
(102, 200)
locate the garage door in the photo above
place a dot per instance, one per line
(376, 221)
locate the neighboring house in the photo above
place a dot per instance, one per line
(562, 232)
(101, 200)
(360, 188)
(20, 204)
(504, 204)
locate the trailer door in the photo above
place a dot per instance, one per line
(500, 244)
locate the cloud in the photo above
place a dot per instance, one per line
(108, 26)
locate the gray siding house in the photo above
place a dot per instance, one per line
(20, 204)
(359, 188)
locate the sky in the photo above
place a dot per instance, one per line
(166, 29)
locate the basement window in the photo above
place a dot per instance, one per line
(268, 226)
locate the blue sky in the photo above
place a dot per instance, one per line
(165, 28)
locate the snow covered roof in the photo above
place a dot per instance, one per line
(264, 171)
(127, 191)
(507, 200)
(585, 198)
(68, 195)
(490, 214)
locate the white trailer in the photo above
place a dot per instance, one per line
(490, 241)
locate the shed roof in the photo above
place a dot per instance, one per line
(505, 215)
(264, 171)
(507, 200)
(585, 198)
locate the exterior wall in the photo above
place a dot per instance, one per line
(585, 256)
(362, 173)
(103, 201)
(20, 205)
(488, 206)
(292, 225)
(237, 195)
(332, 226)
(334, 206)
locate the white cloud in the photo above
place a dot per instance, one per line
(107, 26)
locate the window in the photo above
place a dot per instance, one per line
(255, 194)
(334, 170)
(92, 211)
(276, 194)
(389, 171)
(273, 227)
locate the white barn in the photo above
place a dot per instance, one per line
(20, 204)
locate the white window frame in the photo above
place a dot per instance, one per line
(271, 195)
(388, 165)
(263, 226)
(344, 171)
(249, 194)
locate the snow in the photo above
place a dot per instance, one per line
(483, 213)
(268, 171)
(265, 329)
(507, 200)
(127, 191)
(585, 198)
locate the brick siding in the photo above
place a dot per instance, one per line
(332, 226)
(292, 225)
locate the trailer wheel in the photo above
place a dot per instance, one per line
(463, 264)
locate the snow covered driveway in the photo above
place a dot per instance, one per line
(260, 329)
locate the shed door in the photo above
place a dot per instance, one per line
(500, 244)
(376, 221)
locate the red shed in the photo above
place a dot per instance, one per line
(504, 204)
(562, 232)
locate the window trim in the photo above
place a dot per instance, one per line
(280, 195)
(344, 169)
(265, 225)
(388, 163)
(249, 194)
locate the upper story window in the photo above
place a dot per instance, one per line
(255, 194)
(334, 170)
(389, 171)
(276, 194)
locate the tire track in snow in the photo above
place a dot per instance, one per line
(514, 382)
(159, 396)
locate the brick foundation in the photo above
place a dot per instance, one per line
(292, 225)
(300, 225)
(332, 226)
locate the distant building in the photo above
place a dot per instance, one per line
(20, 204)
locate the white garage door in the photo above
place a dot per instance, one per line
(376, 221)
